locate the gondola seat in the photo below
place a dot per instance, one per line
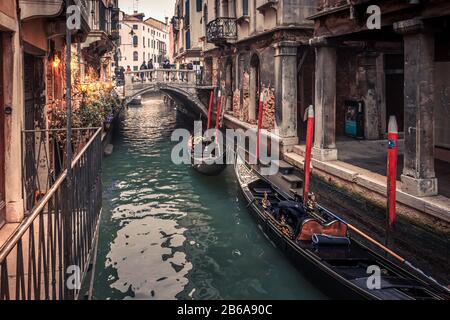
(311, 226)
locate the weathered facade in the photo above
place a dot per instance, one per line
(187, 32)
(261, 46)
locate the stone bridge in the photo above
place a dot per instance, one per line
(181, 85)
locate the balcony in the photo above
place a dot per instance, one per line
(267, 5)
(221, 31)
(175, 24)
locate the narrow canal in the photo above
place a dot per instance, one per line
(169, 233)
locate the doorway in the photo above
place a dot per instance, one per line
(394, 82)
(229, 84)
(255, 86)
(34, 119)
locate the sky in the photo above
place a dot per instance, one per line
(152, 8)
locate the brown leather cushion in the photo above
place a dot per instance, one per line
(310, 226)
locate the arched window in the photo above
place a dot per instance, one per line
(135, 41)
(135, 56)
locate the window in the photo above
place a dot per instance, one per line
(135, 68)
(143, 41)
(188, 39)
(135, 41)
(135, 26)
(245, 7)
(119, 26)
(149, 43)
(143, 56)
(199, 5)
(187, 13)
(135, 56)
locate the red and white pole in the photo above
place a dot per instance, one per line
(219, 98)
(392, 172)
(211, 97)
(260, 116)
(309, 113)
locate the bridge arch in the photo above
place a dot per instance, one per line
(182, 94)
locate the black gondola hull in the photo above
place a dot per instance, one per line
(340, 272)
(324, 281)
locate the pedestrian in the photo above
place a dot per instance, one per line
(166, 65)
(150, 67)
(143, 67)
(182, 67)
(128, 69)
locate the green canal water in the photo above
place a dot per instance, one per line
(169, 233)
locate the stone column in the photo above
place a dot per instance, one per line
(286, 92)
(418, 176)
(13, 97)
(325, 101)
(369, 95)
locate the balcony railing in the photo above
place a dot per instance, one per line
(221, 30)
(53, 245)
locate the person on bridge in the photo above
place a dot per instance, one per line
(166, 65)
(143, 67)
(150, 67)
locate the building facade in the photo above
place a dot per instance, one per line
(187, 32)
(142, 40)
(33, 82)
(252, 47)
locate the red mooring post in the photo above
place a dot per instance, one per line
(309, 113)
(391, 174)
(219, 95)
(211, 97)
(260, 116)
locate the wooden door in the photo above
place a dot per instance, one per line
(2, 144)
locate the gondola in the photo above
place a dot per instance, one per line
(136, 101)
(210, 165)
(321, 247)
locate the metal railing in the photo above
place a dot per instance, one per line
(48, 254)
(221, 30)
(43, 159)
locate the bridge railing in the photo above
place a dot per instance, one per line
(135, 79)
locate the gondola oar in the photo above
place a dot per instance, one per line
(211, 97)
(389, 251)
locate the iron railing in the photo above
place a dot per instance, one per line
(221, 30)
(48, 255)
(43, 159)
